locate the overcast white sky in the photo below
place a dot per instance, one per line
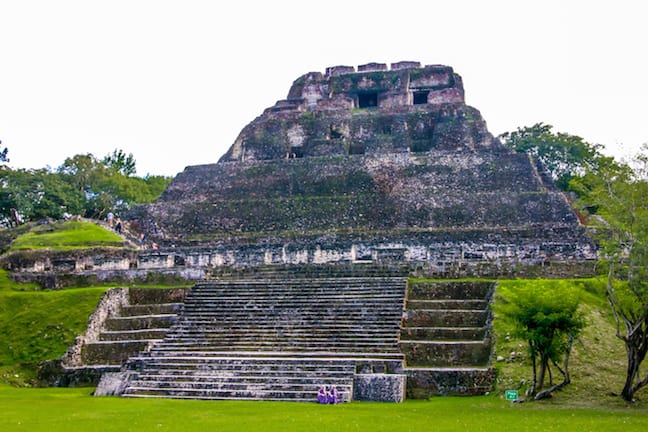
(174, 82)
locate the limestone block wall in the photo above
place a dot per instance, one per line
(110, 304)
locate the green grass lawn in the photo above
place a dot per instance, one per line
(73, 410)
(67, 235)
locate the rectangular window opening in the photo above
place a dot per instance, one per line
(368, 100)
(296, 152)
(357, 149)
(421, 97)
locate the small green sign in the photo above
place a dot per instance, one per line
(511, 395)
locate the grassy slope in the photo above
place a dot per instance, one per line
(36, 326)
(597, 363)
(66, 235)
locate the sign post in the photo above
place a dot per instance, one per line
(511, 395)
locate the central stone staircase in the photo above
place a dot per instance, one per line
(278, 339)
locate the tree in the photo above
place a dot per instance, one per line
(3, 154)
(562, 155)
(621, 200)
(34, 194)
(81, 185)
(120, 162)
(547, 317)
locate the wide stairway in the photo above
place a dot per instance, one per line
(446, 338)
(275, 339)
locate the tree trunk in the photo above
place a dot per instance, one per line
(532, 390)
(543, 370)
(565, 373)
(631, 373)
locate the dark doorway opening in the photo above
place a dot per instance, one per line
(335, 133)
(296, 152)
(421, 97)
(367, 100)
(356, 149)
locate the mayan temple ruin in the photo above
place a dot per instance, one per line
(302, 238)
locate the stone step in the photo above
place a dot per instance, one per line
(151, 309)
(305, 384)
(249, 359)
(140, 322)
(228, 372)
(269, 340)
(265, 292)
(348, 290)
(113, 352)
(252, 328)
(271, 296)
(274, 331)
(443, 333)
(302, 346)
(425, 382)
(273, 356)
(311, 303)
(447, 304)
(285, 320)
(294, 316)
(449, 290)
(445, 353)
(139, 334)
(142, 296)
(316, 271)
(444, 318)
(304, 281)
(310, 396)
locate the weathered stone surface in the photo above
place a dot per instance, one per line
(113, 383)
(423, 383)
(379, 165)
(379, 387)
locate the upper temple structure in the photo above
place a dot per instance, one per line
(369, 164)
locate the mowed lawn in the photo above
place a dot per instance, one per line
(75, 410)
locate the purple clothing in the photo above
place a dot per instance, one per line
(332, 396)
(322, 396)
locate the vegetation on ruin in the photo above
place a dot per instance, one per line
(66, 235)
(564, 156)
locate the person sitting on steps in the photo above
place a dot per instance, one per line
(322, 395)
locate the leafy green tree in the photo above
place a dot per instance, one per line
(81, 185)
(547, 317)
(621, 200)
(121, 162)
(3, 154)
(34, 194)
(82, 171)
(562, 155)
(108, 184)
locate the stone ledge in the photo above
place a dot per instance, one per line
(379, 387)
